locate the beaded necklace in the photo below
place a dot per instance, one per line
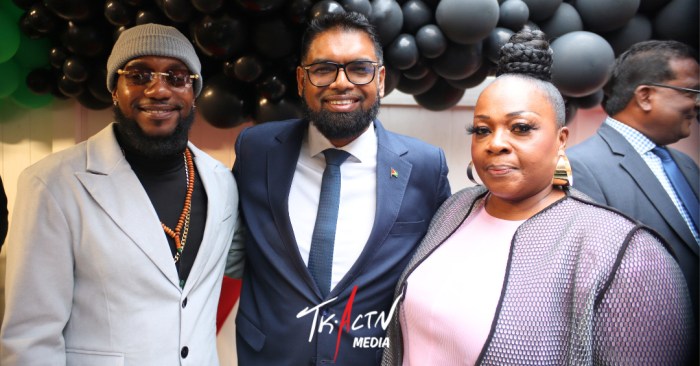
(183, 223)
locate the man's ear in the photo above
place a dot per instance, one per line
(300, 80)
(643, 97)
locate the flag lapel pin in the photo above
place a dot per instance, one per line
(394, 173)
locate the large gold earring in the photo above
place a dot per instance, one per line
(562, 173)
(470, 173)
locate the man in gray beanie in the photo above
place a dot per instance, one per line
(118, 245)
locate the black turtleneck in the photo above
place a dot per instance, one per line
(165, 182)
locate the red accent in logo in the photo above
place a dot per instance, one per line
(345, 321)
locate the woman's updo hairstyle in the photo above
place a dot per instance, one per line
(528, 55)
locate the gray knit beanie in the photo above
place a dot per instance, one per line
(153, 40)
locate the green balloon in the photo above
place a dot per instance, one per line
(9, 39)
(27, 98)
(10, 78)
(33, 53)
(8, 8)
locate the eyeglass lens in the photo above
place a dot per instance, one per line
(357, 72)
(175, 78)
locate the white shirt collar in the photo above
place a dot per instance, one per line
(362, 149)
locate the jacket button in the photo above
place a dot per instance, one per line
(184, 303)
(184, 352)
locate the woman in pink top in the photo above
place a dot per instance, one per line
(525, 270)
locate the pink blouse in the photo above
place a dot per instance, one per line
(452, 296)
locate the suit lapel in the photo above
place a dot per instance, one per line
(390, 192)
(207, 174)
(637, 168)
(114, 186)
(281, 164)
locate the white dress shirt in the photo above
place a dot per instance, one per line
(358, 197)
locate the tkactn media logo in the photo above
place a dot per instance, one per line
(371, 319)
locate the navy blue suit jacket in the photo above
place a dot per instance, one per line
(607, 168)
(272, 327)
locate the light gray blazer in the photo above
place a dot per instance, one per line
(90, 276)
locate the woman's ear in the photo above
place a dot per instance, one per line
(563, 138)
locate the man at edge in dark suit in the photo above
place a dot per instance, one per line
(651, 101)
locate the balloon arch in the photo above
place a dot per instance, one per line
(434, 49)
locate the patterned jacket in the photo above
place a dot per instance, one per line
(584, 285)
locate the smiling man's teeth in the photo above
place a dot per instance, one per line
(338, 102)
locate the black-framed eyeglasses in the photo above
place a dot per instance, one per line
(357, 72)
(174, 78)
(691, 93)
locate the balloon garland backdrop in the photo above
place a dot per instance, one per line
(434, 49)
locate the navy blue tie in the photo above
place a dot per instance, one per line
(680, 184)
(323, 239)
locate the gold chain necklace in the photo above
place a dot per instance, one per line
(183, 223)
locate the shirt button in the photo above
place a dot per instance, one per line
(184, 352)
(184, 303)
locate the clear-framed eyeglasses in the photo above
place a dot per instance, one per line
(325, 73)
(174, 78)
(690, 93)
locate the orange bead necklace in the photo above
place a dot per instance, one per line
(179, 235)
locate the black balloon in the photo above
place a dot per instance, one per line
(83, 39)
(178, 11)
(57, 56)
(75, 69)
(651, 6)
(513, 14)
(679, 20)
(27, 29)
(486, 69)
(565, 20)
(440, 97)
(391, 79)
(272, 88)
(418, 71)
(89, 101)
(415, 15)
(459, 61)
(267, 110)
(24, 4)
(542, 9)
(117, 13)
(326, 7)
(96, 85)
(492, 45)
(403, 52)
(604, 16)
(71, 9)
(297, 11)
(387, 18)
(638, 29)
(220, 37)
(588, 101)
(69, 87)
(430, 41)
(221, 103)
(41, 18)
(417, 86)
(39, 81)
(207, 6)
(247, 68)
(582, 63)
(274, 39)
(148, 16)
(259, 6)
(467, 22)
(358, 6)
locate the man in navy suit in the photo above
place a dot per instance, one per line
(652, 101)
(391, 186)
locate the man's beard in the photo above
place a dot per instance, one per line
(133, 139)
(340, 125)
